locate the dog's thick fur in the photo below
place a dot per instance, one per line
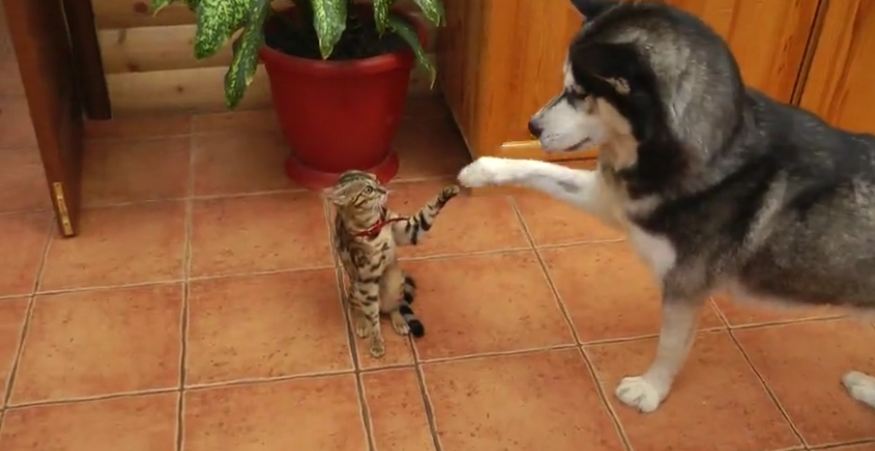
(718, 186)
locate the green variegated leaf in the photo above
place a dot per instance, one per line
(158, 5)
(381, 14)
(406, 31)
(217, 20)
(433, 10)
(329, 19)
(246, 46)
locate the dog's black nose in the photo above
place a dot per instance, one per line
(535, 130)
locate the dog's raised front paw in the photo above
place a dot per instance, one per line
(482, 172)
(639, 393)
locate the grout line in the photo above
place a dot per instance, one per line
(364, 407)
(618, 425)
(655, 335)
(78, 399)
(390, 367)
(426, 400)
(826, 446)
(28, 315)
(615, 417)
(769, 391)
(454, 255)
(486, 355)
(108, 287)
(26, 212)
(186, 294)
(577, 243)
(788, 322)
(260, 273)
(266, 380)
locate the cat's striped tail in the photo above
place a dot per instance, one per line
(416, 327)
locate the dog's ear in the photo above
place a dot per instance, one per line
(592, 8)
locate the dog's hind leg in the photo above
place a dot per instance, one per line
(676, 337)
(861, 387)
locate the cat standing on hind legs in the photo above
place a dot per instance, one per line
(366, 235)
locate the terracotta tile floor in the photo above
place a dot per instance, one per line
(199, 310)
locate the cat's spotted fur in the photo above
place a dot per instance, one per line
(366, 234)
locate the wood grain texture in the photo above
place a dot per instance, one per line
(840, 86)
(500, 60)
(768, 38)
(38, 33)
(181, 90)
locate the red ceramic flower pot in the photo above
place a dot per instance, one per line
(340, 115)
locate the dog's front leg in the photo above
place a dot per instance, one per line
(581, 188)
(676, 337)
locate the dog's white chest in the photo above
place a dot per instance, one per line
(656, 250)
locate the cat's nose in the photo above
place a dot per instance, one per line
(535, 129)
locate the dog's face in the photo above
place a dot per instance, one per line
(572, 120)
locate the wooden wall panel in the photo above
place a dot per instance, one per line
(768, 38)
(840, 86)
(180, 90)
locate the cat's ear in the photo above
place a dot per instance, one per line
(592, 8)
(338, 197)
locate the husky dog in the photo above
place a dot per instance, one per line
(716, 185)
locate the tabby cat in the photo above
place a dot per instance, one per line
(366, 235)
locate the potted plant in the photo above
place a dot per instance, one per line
(339, 72)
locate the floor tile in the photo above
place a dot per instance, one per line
(23, 248)
(469, 307)
(12, 313)
(609, 292)
(397, 410)
(91, 343)
(241, 162)
(519, 402)
(139, 127)
(311, 413)
(135, 170)
(398, 349)
(466, 224)
(259, 233)
(803, 364)
(265, 326)
(717, 401)
(120, 245)
(143, 423)
(22, 181)
(553, 222)
(429, 148)
(250, 121)
(870, 446)
(16, 129)
(743, 313)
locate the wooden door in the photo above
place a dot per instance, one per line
(38, 33)
(500, 60)
(840, 86)
(768, 38)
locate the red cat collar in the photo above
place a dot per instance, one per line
(374, 230)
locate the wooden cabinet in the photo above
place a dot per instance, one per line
(500, 60)
(840, 85)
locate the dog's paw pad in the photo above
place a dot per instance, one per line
(637, 392)
(860, 386)
(482, 172)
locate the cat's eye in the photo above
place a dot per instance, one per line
(369, 189)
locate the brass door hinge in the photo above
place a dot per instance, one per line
(63, 211)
